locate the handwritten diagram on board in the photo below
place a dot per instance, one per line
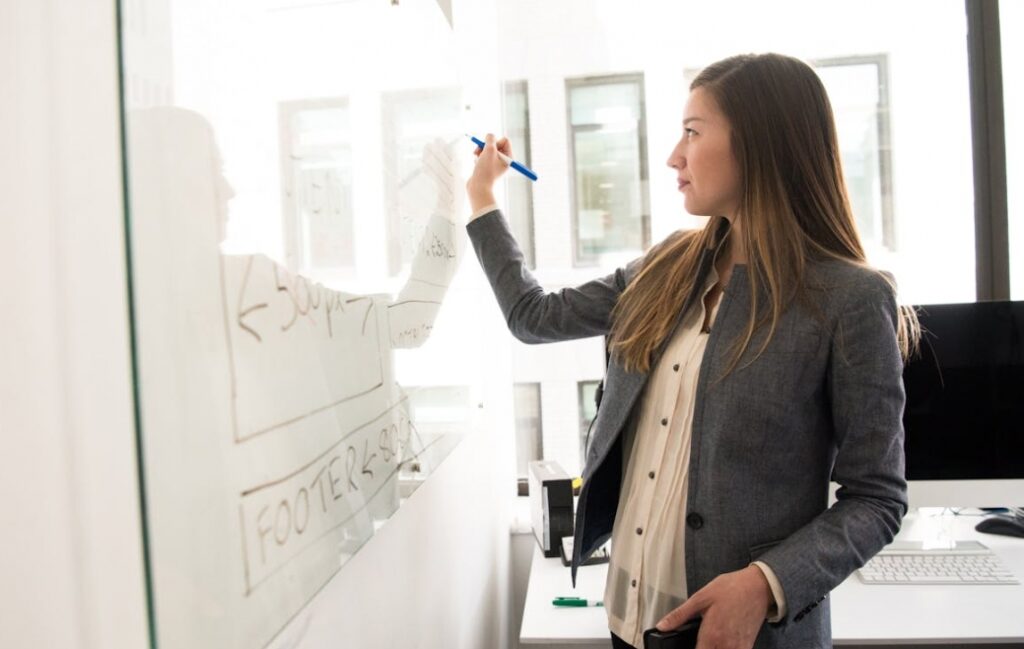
(286, 330)
(276, 438)
(315, 349)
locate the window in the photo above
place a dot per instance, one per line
(410, 121)
(608, 146)
(440, 409)
(858, 87)
(317, 186)
(901, 97)
(520, 194)
(529, 432)
(587, 391)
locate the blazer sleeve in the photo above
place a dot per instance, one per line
(865, 389)
(533, 315)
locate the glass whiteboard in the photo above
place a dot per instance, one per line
(304, 359)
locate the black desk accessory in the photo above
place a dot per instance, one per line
(685, 637)
(551, 505)
(1006, 524)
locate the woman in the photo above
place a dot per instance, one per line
(752, 361)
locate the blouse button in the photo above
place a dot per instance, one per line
(664, 422)
(675, 368)
(639, 531)
(651, 475)
(633, 583)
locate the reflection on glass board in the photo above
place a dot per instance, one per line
(410, 120)
(317, 179)
(276, 352)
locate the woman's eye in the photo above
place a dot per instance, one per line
(689, 132)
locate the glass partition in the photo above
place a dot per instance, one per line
(305, 356)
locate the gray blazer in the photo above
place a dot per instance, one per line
(824, 401)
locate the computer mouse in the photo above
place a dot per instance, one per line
(1002, 524)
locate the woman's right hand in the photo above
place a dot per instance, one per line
(489, 167)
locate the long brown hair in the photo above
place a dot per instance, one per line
(794, 207)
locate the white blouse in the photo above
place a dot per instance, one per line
(647, 571)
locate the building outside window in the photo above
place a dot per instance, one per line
(520, 194)
(316, 168)
(440, 409)
(608, 147)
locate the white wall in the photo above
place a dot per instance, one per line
(70, 564)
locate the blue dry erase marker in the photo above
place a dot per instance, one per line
(521, 168)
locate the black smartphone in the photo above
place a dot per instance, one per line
(685, 637)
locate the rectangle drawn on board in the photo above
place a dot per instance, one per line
(297, 348)
(343, 486)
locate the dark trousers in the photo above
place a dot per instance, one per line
(619, 643)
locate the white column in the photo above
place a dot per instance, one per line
(71, 562)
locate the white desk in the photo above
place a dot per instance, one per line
(861, 614)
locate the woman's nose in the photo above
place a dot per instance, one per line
(675, 159)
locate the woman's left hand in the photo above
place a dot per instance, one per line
(733, 607)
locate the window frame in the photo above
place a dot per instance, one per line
(645, 218)
(584, 423)
(988, 141)
(523, 483)
(883, 132)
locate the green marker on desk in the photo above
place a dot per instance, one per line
(574, 601)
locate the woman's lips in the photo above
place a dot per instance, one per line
(683, 184)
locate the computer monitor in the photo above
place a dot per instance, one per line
(964, 417)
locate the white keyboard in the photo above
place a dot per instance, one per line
(907, 563)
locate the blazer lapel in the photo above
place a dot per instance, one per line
(622, 388)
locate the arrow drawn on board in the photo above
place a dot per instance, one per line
(367, 459)
(242, 313)
(369, 307)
